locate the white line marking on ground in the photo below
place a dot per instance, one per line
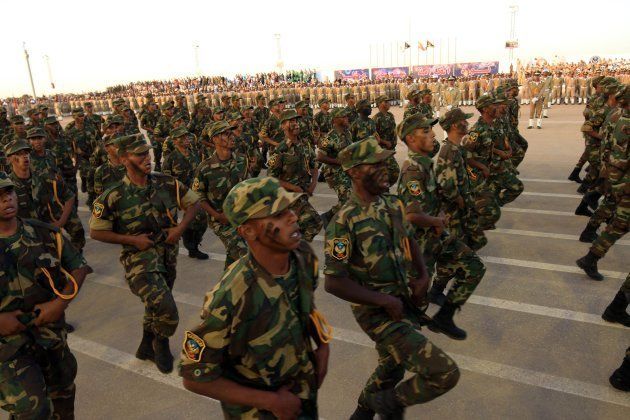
(549, 267)
(549, 181)
(545, 235)
(534, 211)
(541, 194)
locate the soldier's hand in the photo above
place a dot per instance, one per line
(50, 311)
(222, 219)
(142, 242)
(174, 234)
(321, 362)
(393, 306)
(9, 324)
(286, 405)
(419, 290)
(460, 202)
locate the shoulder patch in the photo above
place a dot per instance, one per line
(414, 187)
(273, 159)
(473, 136)
(97, 210)
(195, 185)
(340, 248)
(193, 346)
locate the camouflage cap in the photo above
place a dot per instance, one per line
(413, 122)
(88, 103)
(234, 116)
(287, 115)
(339, 113)
(78, 112)
(114, 119)
(246, 107)
(323, 101)
(381, 98)
(413, 94)
(51, 120)
(5, 181)
(277, 101)
(301, 104)
(218, 127)
(596, 80)
(363, 103)
(424, 92)
(112, 140)
(257, 198)
(35, 132)
(178, 132)
(453, 116)
(32, 111)
(16, 146)
(134, 143)
(176, 117)
(366, 151)
(217, 110)
(499, 93)
(348, 96)
(610, 87)
(485, 100)
(167, 105)
(42, 108)
(17, 120)
(118, 101)
(200, 97)
(260, 96)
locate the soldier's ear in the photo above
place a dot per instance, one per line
(248, 231)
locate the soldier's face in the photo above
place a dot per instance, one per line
(365, 111)
(217, 116)
(21, 160)
(291, 128)
(325, 106)
(279, 232)
(374, 178)
(89, 108)
(351, 101)
(79, 119)
(248, 114)
(112, 151)
(427, 99)
(183, 142)
(384, 106)
(19, 128)
(37, 143)
(8, 204)
(138, 162)
(421, 140)
(225, 140)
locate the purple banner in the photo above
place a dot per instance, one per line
(389, 73)
(354, 74)
(432, 70)
(476, 69)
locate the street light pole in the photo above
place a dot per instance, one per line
(279, 63)
(28, 66)
(197, 68)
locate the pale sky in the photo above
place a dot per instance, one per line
(92, 45)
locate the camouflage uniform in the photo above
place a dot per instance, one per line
(62, 152)
(502, 172)
(261, 114)
(422, 110)
(44, 164)
(129, 209)
(336, 179)
(161, 132)
(247, 144)
(322, 124)
(368, 243)
(517, 141)
(148, 122)
(271, 129)
(386, 130)
(36, 365)
(83, 144)
(255, 326)
(213, 180)
(106, 176)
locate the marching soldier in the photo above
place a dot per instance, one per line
(322, 122)
(362, 127)
(274, 284)
(351, 107)
(261, 112)
(112, 171)
(517, 141)
(271, 133)
(213, 180)
(38, 368)
(305, 122)
(42, 159)
(62, 152)
(181, 107)
(161, 131)
(373, 263)
(95, 119)
(386, 133)
(413, 99)
(83, 144)
(140, 213)
(535, 91)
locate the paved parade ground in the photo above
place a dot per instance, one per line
(537, 347)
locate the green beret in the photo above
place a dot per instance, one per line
(287, 115)
(453, 116)
(16, 146)
(363, 103)
(17, 120)
(323, 101)
(485, 100)
(413, 122)
(78, 112)
(257, 198)
(167, 105)
(5, 181)
(301, 104)
(50, 120)
(366, 151)
(134, 143)
(218, 127)
(381, 98)
(339, 113)
(178, 132)
(412, 94)
(176, 117)
(348, 96)
(35, 132)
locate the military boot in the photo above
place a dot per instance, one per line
(443, 322)
(588, 263)
(436, 294)
(589, 234)
(616, 311)
(163, 357)
(592, 199)
(575, 175)
(386, 404)
(583, 210)
(620, 378)
(583, 188)
(145, 350)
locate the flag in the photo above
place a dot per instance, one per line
(421, 46)
(430, 44)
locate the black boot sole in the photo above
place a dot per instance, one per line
(587, 239)
(613, 319)
(436, 329)
(619, 384)
(583, 266)
(145, 356)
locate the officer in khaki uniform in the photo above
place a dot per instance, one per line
(140, 213)
(535, 91)
(252, 350)
(372, 261)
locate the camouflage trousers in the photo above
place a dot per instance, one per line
(507, 186)
(308, 219)
(402, 348)
(39, 383)
(393, 170)
(235, 246)
(193, 234)
(450, 258)
(584, 156)
(615, 229)
(154, 288)
(157, 152)
(519, 148)
(341, 183)
(487, 206)
(594, 161)
(464, 224)
(604, 212)
(239, 412)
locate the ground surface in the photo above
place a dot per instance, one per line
(537, 347)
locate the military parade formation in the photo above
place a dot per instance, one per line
(246, 166)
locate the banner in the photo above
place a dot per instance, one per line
(476, 69)
(355, 74)
(432, 70)
(379, 73)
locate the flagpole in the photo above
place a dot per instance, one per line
(28, 66)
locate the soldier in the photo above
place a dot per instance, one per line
(247, 142)
(322, 122)
(452, 95)
(274, 283)
(293, 163)
(130, 122)
(413, 98)
(181, 164)
(213, 180)
(148, 100)
(372, 262)
(445, 254)
(148, 121)
(617, 169)
(517, 141)
(83, 144)
(235, 104)
(43, 196)
(386, 134)
(480, 152)
(140, 213)
(42, 159)
(62, 152)
(34, 116)
(535, 91)
(4, 122)
(424, 107)
(161, 131)
(181, 107)
(363, 127)
(15, 132)
(168, 145)
(351, 107)
(546, 93)
(38, 369)
(329, 147)
(261, 112)
(271, 133)
(201, 116)
(111, 172)
(93, 118)
(305, 122)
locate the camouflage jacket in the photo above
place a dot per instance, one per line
(197, 123)
(163, 127)
(41, 196)
(107, 175)
(87, 124)
(619, 164)
(23, 283)
(386, 126)
(181, 167)
(293, 163)
(183, 110)
(169, 145)
(411, 110)
(254, 330)
(271, 129)
(322, 123)
(362, 129)
(352, 114)
(306, 130)
(502, 131)
(453, 177)
(331, 145)
(62, 150)
(149, 120)
(478, 145)
(426, 110)
(131, 127)
(83, 143)
(260, 116)
(44, 164)
(96, 120)
(607, 130)
(513, 108)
